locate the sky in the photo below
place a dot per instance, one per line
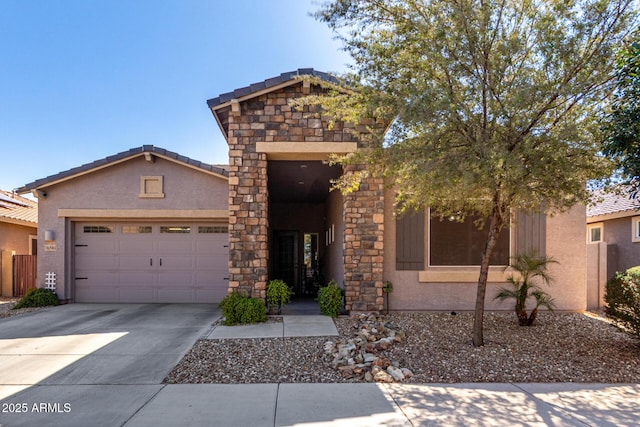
(81, 80)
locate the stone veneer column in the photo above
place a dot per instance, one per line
(248, 210)
(364, 245)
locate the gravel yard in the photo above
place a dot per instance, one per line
(560, 347)
(6, 306)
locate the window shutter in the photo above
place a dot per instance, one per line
(410, 241)
(531, 232)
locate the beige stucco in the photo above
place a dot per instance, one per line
(114, 191)
(14, 240)
(454, 288)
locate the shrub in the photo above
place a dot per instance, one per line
(278, 294)
(529, 267)
(37, 297)
(241, 310)
(622, 299)
(330, 299)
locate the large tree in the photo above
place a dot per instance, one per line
(493, 104)
(622, 124)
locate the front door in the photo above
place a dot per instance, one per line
(285, 266)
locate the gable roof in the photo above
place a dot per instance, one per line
(612, 205)
(121, 157)
(18, 210)
(267, 85)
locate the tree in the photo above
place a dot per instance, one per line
(492, 103)
(622, 124)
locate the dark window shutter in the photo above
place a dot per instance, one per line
(410, 241)
(531, 232)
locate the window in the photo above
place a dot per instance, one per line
(97, 229)
(594, 233)
(151, 187)
(635, 229)
(454, 243)
(176, 229)
(211, 229)
(136, 229)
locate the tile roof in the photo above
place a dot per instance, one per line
(266, 84)
(612, 203)
(122, 156)
(14, 208)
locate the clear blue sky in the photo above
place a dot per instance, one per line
(83, 79)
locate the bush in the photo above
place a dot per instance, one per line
(330, 299)
(37, 297)
(622, 299)
(278, 294)
(241, 310)
(530, 268)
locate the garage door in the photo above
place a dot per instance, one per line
(149, 262)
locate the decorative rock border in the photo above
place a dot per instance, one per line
(362, 356)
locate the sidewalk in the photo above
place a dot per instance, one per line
(392, 405)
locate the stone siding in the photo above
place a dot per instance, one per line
(266, 118)
(364, 245)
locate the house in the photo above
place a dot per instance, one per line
(18, 231)
(613, 240)
(275, 217)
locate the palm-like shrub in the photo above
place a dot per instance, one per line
(529, 269)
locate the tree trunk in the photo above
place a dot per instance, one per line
(495, 226)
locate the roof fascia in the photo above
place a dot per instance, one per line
(18, 222)
(615, 215)
(25, 190)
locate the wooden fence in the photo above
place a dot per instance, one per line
(25, 270)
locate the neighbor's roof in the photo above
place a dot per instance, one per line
(255, 88)
(118, 158)
(17, 209)
(612, 205)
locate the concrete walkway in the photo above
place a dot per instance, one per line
(123, 397)
(291, 326)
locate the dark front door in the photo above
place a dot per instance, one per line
(285, 266)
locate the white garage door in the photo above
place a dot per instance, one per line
(150, 262)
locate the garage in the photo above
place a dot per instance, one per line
(147, 262)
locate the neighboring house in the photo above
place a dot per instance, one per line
(613, 238)
(18, 235)
(283, 221)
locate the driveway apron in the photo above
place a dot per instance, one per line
(71, 362)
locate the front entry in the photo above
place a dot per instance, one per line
(285, 259)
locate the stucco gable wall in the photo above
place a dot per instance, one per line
(564, 241)
(118, 188)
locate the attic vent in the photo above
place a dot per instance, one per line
(151, 187)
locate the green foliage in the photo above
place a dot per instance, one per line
(330, 299)
(37, 297)
(387, 287)
(622, 124)
(278, 294)
(622, 299)
(493, 105)
(529, 268)
(240, 309)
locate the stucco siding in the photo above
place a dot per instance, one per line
(118, 188)
(564, 241)
(617, 233)
(13, 238)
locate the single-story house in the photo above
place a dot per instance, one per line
(150, 225)
(18, 235)
(613, 240)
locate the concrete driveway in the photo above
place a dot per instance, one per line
(101, 360)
